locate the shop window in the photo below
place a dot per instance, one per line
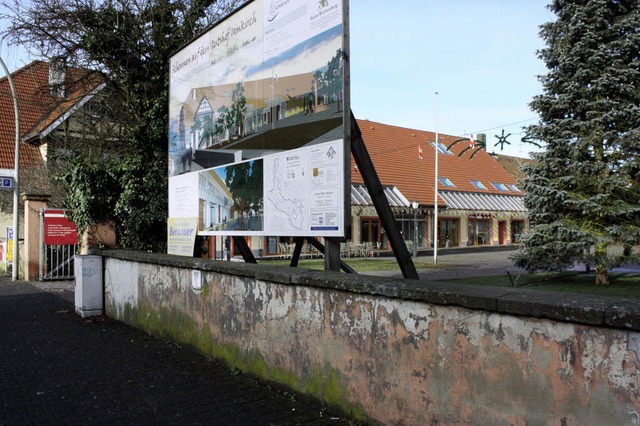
(517, 229)
(371, 231)
(479, 231)
(272, 245)
(407, 225)
(448, 232)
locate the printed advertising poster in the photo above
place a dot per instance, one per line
(181, 235)
(256, 105)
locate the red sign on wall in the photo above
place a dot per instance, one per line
(58, 229)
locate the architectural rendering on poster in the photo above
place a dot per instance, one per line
(257, 106)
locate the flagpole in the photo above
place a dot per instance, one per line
(435, 202)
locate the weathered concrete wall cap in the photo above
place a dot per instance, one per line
(583, 309)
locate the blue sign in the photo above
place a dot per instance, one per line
(6, 183)
(9, 232)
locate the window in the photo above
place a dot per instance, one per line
(479, 231)
(448, 232)
(517, 229)
(446, 182)
(441, 148)
(408, 224)
(514, 188)
(478, 184)
(500, 186)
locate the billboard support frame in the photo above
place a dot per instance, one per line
(332, 261)
(297, 251)
(380, 202)
(245, 250)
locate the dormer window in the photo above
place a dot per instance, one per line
(446, 182)
(57, 75)
(479, 185)
(442, 149)
(500, 186)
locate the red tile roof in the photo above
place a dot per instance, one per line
(38, 109)
(394, 152)
(513, 165)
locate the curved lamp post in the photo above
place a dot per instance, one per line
(16, 178)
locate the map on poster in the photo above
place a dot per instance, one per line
(286, 185)
(303, 189)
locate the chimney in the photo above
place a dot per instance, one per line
(56, 78)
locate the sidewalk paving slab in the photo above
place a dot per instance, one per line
(57, 368)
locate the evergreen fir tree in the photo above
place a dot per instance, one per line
(583, 192)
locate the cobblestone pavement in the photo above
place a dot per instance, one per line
(57, 368)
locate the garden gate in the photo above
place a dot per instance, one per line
(58, 245)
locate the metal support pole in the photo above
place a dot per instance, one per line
(415, 233)
(227, 248)
(16, 178)
(435, 201)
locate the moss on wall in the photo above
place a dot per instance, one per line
(172, 324)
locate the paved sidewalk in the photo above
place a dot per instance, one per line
(57, 368)
(477, 262)
(457, 263)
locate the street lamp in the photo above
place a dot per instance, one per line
(415, 204)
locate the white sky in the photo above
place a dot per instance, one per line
(478, 55)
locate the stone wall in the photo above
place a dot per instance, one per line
(396, 352)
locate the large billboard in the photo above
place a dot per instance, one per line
(257, 144)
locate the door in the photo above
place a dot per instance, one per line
(371, 231)
(502, 233)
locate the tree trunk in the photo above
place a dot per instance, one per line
(600, 253)
(602, 276)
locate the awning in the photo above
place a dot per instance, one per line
(360, 196)
(453, 200)
(482, 202)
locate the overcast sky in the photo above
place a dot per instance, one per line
(479, 56)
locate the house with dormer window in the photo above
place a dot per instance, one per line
(59, 108)
(479, 202)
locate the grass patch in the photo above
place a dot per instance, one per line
(359, 264)
(620, 284)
